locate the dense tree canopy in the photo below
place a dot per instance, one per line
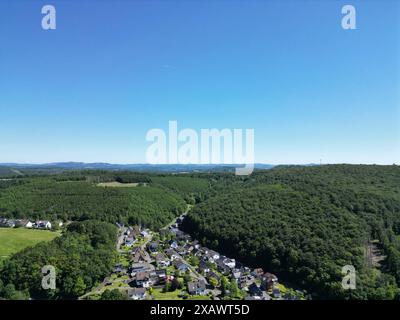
(46, 198)
(305, 223)
(82, 257)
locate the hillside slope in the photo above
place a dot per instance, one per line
(306, 223)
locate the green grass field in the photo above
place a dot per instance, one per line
(15, 239)
(158, 294)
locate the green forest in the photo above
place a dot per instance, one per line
(82, 257)
(305, 223)
(47, 198)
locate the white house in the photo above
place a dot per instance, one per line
(42, 224)
(29, 224)
(231, 263)
(137, 293)
(212, 255)
(23, 223)
(143, 279)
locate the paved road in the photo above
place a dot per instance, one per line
(143, 247)
(194, 273)
(175, 219)
(120, 239)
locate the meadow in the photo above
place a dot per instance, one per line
(13, 240)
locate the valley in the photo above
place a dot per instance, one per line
(300, 224)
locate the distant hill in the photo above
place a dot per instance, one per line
(7, 171)
(135, 167)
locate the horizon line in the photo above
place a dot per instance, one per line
(188, 164)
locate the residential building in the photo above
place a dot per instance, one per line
(197, 287)
(137, 293)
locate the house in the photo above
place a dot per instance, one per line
(197, 287)
(276, 293)
(249, 297)
(258, 273)
(212, 255)
(196, 244)
(142, 279)
(161, 260)
(137, 293)
(196, 252)
(130, 241)
(243, 268)
(230, 263)
(153, 247)
(269, 280)
(203, 266)
(254, 290)
(188, 247)
(140, 267)
(181, 251)
(242, 284)
(161, 273)
(28, 224)
(7, 223)
(222, 267)
(180, 265)
(236, 275)
(245, 280)
(42, 224)
(266, 296)
(118, 268)
(144, 233)
(173, 244)
(138, 255)
(158, 277)
(10, 223)
(23, 223)
(263, 296)
(172, 254)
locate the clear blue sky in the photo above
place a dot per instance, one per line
(112, 70)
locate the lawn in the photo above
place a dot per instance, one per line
(15, 239)
(159, 295)
(199, 298)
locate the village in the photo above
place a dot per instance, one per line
(170, 265)
(24, 223)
